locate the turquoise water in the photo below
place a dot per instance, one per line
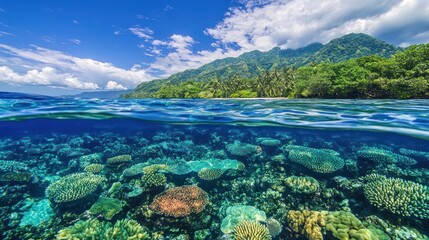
(213, 169)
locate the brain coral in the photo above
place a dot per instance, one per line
(249, 230)
(318, 160)
(73, 187)
(398, 196)
(180, 201)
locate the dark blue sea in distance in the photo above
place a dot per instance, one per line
(213, 169)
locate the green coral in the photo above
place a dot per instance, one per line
(317, 160)
(108, 207)
(401, 197)
(94, 168)
(92, 229)
(16, 177)
(154, 180)
(210, 173)
(413, 153)
(344, 225)
(73, 187)
(119, 160)
(270, 142)
(379, 155)
(241, 149)
(306, 185)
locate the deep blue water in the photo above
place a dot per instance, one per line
(52, 137)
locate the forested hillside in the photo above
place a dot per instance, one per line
(253, 64)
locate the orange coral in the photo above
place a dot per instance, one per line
(180, 201)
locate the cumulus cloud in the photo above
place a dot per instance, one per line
(264, 24)
(181, 56)
(41, 66)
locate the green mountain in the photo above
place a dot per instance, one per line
(251, 64)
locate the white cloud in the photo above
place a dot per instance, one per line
(75, 21)
(182, 57)
(75, 41)
(112, 85)
(3, 33)
(144, 33)
(264, 24)
(41, 66)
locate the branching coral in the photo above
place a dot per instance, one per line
(249, 230)
(398, 196)
(318, 160)
(73, 187)
(180, 201)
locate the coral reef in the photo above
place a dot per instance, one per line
(94, 229)
(108, 207)
(241, 149)
(73, 187)
(240, 213)
(318, 160)
(121, 159)
(180, 201)
(306, 185)
(210, 173)
(94, 168)
(398, 196)
(248, 230)
(307, 223)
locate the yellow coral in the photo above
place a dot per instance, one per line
(94, 168)
(249, 230)
(308, 223)
(154, 168)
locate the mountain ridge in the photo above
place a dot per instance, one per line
(251, 64)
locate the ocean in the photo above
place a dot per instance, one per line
(213, 169)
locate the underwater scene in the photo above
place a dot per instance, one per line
(213, 169)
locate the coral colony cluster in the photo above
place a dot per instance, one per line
(204, 182)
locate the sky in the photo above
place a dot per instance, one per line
(57, 47)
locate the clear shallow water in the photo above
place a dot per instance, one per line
(56, 137)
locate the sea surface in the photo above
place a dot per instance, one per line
(213, 169)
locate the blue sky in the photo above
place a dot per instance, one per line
(58, 47)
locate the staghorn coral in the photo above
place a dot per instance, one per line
(119, 160)
(250, 230)
(307, 223)
(180, 201)
(94, 168)
(317, 160)
(306, 185)
(210, 173)
(401, 197)
(93, 229)
(73, 187)
(344, 225)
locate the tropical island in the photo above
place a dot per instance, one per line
(355, 66)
